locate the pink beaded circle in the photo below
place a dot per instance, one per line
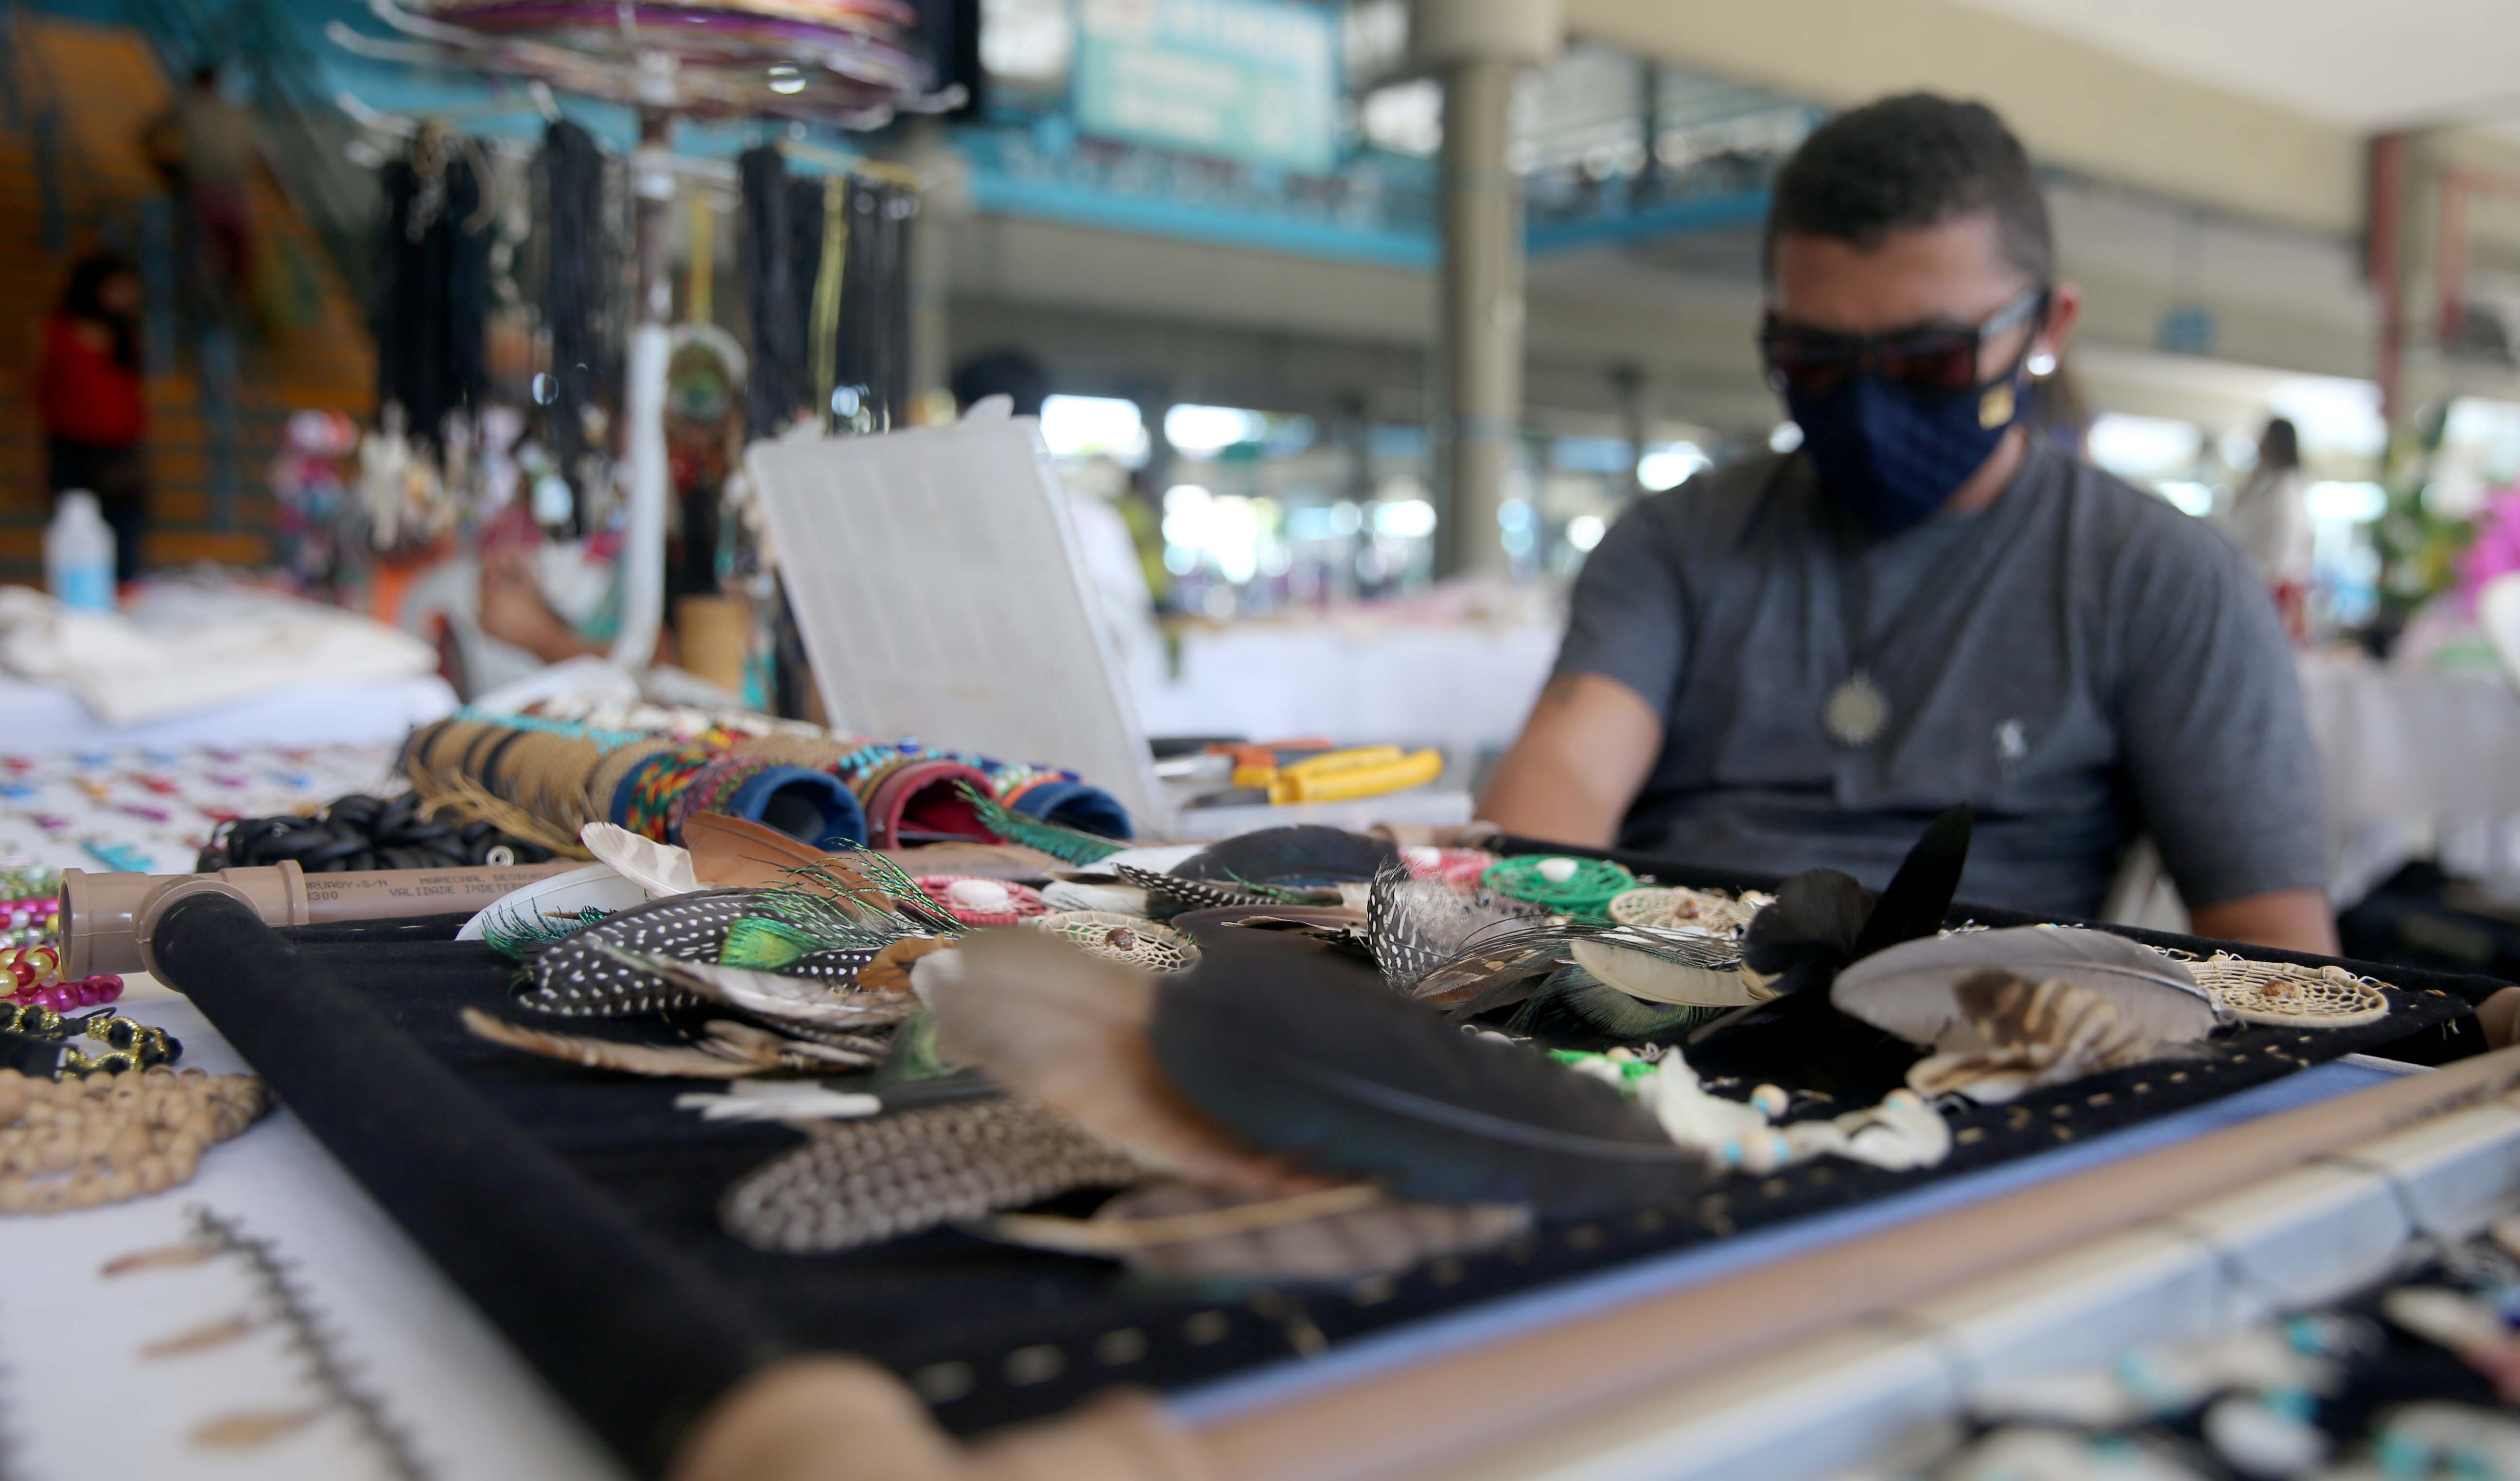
(976, 901)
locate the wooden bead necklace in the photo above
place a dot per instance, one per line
(77, 1143)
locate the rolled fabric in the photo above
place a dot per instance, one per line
(802, 803)
(925, 798)
(1078, 805)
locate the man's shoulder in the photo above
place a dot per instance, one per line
(2127, 530)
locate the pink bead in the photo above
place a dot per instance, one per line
(109, 986)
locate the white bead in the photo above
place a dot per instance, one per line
(984, 895)
(1559, 871)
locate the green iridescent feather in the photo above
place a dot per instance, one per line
(1067, 845)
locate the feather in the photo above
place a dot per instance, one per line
(1011, 862)
(889, 971)
(1171, 894)
(771, 995)
(1304, 854)
(859, 1182)
(1821, 920)
(729, 851)
(1067, 844)
(578, 976)
(1328, 925)
(1068, 1029)
(1571, 1009)
(1498, 968)
(1486, 972)
(1306, 1054)
(726, 1057)
(518, 937)
(1668, 966)
(1912, 990)
(2020, 1035)
(1810, 928)
(764, 945)
(1412, 924)
(254, 1428)
(1920, 895)
(790, 1101)
(1182, 1232)
(659, 869)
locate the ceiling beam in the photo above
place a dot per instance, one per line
(2073, 104)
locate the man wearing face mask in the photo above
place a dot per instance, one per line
(1799, 660)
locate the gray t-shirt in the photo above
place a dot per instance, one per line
(2080, 661)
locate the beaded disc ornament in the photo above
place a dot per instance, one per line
(976, 901)
(1116, 937)
(1670, 908)
(2282, 992)
(1459, 868)
(1571, 887)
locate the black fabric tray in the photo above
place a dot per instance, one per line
(578, 1208)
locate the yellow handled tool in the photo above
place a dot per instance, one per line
(1368, 771)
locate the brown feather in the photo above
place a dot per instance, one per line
(724, 1057)
(1068, 1029)
(986, 861)
(1182, 1232)
(731, 853)
(250, 1429)
(2023, 1035)
(889, 971)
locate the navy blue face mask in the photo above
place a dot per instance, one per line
(1892, 456)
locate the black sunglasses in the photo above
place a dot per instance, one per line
(1937, 360)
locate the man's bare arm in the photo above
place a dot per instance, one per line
(1580, 760)
(2288, 920)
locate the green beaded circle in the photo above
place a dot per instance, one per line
(1586, 892)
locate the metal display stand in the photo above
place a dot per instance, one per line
(858, 88)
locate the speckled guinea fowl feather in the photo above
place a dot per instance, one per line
(1192, 894)
(581, 975)
(857, 1183)
(785, 998)
(1412, 924)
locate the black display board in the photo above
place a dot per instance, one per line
(578, 1208)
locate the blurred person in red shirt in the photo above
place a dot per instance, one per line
(88, 393)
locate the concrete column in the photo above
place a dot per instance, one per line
(1479, 318)
(1627, 389)
(943, 202)
(1477, 47)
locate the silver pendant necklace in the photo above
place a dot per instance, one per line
(1857, 711)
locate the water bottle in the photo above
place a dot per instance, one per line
(78, 553)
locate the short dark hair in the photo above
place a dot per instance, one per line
(1010, 372)
(1907, 163)
(2279, 445)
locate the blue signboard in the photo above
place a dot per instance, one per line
(1250, 80)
